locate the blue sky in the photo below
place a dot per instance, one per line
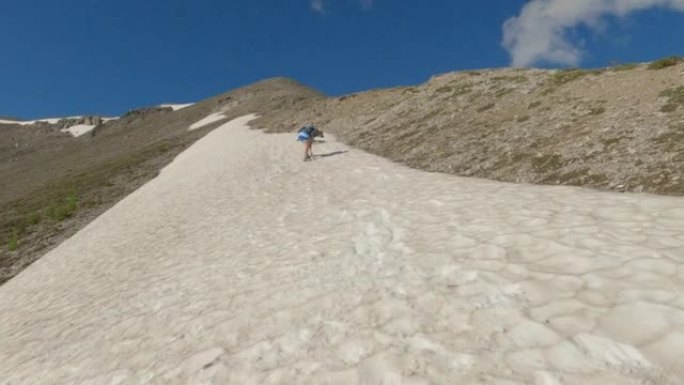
(73, 57)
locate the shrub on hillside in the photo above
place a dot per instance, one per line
(13, 242)
(64, 209)
(666, 62)
(675, 98)
(625, 67)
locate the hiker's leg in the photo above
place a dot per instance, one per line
(307, 149)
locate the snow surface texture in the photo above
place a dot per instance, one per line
(241, 264)
(79, 129)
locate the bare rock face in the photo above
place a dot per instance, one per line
(143, 113)
(70, 122)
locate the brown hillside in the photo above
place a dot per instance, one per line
(620, 129)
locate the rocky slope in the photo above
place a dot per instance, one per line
(620, 128)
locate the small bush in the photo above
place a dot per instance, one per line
(534, 105)
(34, 218)
(512, 79)
(675, 98)
(523, 119)
(463, 89)
(669, 107)
(666, 62)
(503, 92)
(444, 89)
(13, 241)
(596, 110)
(566, 76)
(625, 67)
(62, 210)
(485, 108)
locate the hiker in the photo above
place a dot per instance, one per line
(307, 134)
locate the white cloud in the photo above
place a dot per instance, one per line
(318, 6)
(540, 32)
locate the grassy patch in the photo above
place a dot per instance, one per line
(566, 76)
(675, 98)
(523, 119)
(534, 105)
(64, 208)
(502, 92)
(34, 218)
(13, 241)
(455, 89)
(625, 67)
(511, 79)
(547, 163)
(666, 62)
(609, 142)
(59, 200)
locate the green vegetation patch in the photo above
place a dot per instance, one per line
(511, 78)
(13, 242)
(675, 98)
(666, 62)
(64, 208)
(625, 67)
(455, 89)
(503, 92)
(50, 204)
(566, 76)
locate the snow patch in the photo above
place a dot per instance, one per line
(177, 107)
(215, 117)
(78, 129)
(29, 122)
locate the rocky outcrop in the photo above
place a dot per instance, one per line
(70, 122)
(143, 113)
